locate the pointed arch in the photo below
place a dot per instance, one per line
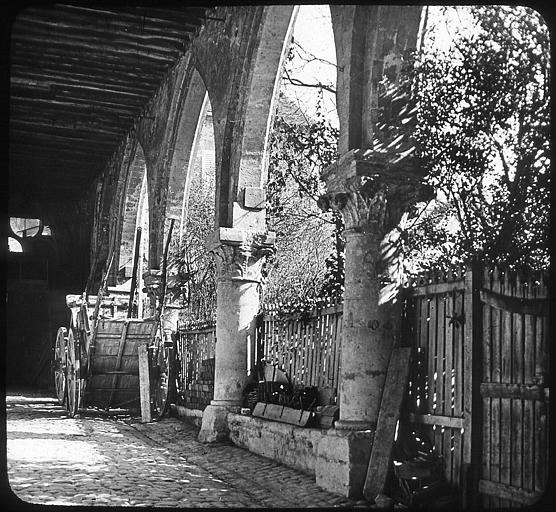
(193, 112)
(134, 185)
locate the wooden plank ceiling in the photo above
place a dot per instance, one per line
(79, 76)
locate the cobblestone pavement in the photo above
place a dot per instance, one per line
(95, 459)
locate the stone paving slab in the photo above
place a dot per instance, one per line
(96, 459)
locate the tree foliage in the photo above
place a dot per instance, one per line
(191, 268)
(483, 122)
(309, 259)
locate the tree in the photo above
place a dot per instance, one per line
(482, 131)
(309, 259)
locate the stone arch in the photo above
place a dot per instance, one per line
(368, 41)
(189, 126)
(242, 71)
(260, 108)
(134, 185)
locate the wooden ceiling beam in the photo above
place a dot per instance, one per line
(100, 22)
(97, 15)
(83, 63)
(114, 31)
(76, 128)
(93, 71)
(80, 77)
(84, 37)
(66, 120)
(91, 106)
(60, 77)
(59, 88)
(127, 14)
(85, 49)
(68, 115)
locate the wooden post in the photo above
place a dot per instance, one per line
(392, 397)
(144, 383)
(134, 278)
(473, 353)
(165, 267)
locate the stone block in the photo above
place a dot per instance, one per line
(289, 444)
(342, 460)
(254, 198)
(215, 425)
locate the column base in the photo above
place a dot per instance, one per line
(214, 426)
(230, 405)
(342, 461)
(354, 425)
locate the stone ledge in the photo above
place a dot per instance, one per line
(194, 416)
(291, 445)
(337, 459)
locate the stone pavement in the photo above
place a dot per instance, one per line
(96, 459)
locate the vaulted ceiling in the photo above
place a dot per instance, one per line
(78, 78)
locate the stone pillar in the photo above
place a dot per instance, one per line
(372, 199)
(152, 279)
(369, 330)
(239, 258)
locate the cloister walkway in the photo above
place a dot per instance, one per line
(97, 459)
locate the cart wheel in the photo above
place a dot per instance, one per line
(163, 371)
(73, 384)
(59, 364)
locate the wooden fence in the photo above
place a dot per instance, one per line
(513, 389)
(306, 346)
(434, 323)
(195, 352)
(478, 383)
(477, 386)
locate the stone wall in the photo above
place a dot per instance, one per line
(293, 446)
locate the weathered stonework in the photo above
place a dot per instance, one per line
(152, 279)
(237, 57)
(240, 256)
(342, 459)
(291, 445)
(371, 197)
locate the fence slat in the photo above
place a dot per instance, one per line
(516, 473)
(506, 377)
(514, 364)
(446, 382)
(541, 412)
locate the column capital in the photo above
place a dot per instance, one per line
(373, 189)
(241, 254)
(152, 279)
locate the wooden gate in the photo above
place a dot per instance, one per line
(513, 390)
(439, 392)
(478, 383)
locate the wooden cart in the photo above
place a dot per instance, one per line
(98, 360)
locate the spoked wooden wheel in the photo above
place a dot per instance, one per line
(163, 371)
(59, 364)
(73, 382)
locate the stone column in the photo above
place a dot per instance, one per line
(240, 256)
(152, 279)
(369, 329)
(372, 199)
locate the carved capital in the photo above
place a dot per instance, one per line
(373, 193)
(241, 255)
(152, 279)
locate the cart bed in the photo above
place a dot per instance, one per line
(114, 364)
